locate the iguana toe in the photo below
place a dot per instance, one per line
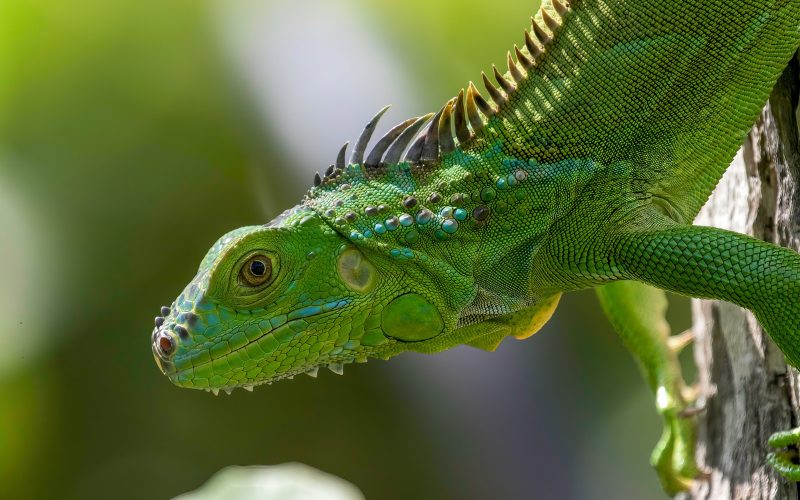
(785, 462)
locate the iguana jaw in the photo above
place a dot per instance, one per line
(211, 370)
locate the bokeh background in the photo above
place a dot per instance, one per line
(133, 133)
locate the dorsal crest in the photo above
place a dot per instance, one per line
(467, 114)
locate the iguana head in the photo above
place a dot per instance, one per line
(269, 302)
(362, 268)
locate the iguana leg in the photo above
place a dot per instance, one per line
(637, 312)
(712, 263)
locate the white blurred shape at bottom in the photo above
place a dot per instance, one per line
(289, 481)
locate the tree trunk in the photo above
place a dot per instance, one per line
(748, 390)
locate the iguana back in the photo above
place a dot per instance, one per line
(624, 106)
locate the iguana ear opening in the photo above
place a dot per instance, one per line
(356, 271)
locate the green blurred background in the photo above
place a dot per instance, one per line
(133, 134)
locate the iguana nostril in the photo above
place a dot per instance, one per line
(164, 310)
(165, 343)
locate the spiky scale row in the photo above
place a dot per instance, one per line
(357, 156)
(560, 8)
(437, 139)
(534, 50)
(395, 151)
(481, 104)
(549, 21)
(495, 94)
(508, 87)
(462, 131)
(446, 143)
(340, 159)
(541, 34)
(387, 140)
(415, 151)
(516, 74)
(523, 59)
(430, 151)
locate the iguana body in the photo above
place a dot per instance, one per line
(606, 138)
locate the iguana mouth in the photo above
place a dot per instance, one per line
(335, 367)
(165, 340)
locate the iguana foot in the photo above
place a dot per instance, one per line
(785, 462)
(637, 312)
(673, 457)
(677, 342)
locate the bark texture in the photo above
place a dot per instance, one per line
(746, 386)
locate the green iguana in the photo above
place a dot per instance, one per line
(585, 168)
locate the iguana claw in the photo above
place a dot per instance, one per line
(784, 461)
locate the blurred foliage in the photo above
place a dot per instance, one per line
(123, 124)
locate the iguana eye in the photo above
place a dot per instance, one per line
(256, 271)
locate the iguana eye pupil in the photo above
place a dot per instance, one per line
(258, 268)
(256, 271)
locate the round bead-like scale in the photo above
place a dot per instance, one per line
(410, 202)
(412, 236)
(450, 226)
(424, 216)
(481, 212)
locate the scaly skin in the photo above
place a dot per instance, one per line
(589, 171)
